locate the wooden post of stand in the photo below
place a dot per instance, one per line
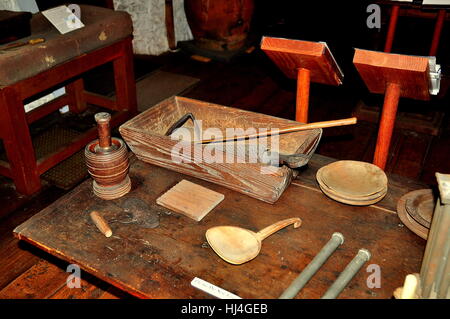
(437, 32)
(302, 102)
(391, 29)
(306, 62)
(387, 124)
(395, 76)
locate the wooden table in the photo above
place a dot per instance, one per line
(161, 262)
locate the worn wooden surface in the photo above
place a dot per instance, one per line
(161, 262)
(145, 135)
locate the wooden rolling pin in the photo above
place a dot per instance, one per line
(101, 224)
(302, 127)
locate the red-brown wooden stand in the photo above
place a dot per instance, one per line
(395, 76)
(302, 106)
(23, 167)
(437, 32)
(306, 62)
(391, 29)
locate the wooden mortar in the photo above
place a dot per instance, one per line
(107, 161)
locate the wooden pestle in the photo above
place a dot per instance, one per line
(101, 223)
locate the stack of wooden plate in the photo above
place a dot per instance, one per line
(415, 209)
(353, 182)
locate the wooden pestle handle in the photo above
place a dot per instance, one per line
(104, 131)
(269, 230)
(302, 127)
(101, 224)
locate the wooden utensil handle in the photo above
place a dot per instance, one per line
(269, 230)
(101, 224)
(302, 127)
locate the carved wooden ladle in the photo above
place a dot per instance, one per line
(238, 245)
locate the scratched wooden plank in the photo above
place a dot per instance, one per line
(38, 282)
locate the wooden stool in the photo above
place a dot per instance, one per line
(395, 76)
(60, 61)
(304, 61)
(394, 14)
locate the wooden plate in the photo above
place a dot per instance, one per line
(408, 220)
(354, 198)
(353, 202)
(420, 206)
(353, 178)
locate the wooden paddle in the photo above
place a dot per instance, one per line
(238, 245)
(302, 127)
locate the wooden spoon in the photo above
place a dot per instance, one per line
(238, 245)
(297, 128)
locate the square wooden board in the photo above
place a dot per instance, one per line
(190, 199)
(291, 55)
(377, 69)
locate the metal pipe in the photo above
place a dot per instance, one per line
(347, 275)
(336, 240)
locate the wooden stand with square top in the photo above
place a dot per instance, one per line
(395, 76)
(305, 61)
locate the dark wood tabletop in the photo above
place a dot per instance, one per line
(161, 262)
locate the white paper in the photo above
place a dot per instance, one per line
(436, 2)
(213, 290)
(435, 75)
(63, 19)
(45, 99)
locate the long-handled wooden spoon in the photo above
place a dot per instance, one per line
(301, 127)
(238, 245)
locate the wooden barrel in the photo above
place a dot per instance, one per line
(219, 25)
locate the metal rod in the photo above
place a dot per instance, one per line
(336, 240)
(347, 275)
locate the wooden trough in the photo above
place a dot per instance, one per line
(145, 135)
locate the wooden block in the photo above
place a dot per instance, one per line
(190, 199)
(291, 55)
(379, 68)
(200, 58)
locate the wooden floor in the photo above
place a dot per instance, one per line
(251, 83)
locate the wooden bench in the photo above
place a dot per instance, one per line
(61, 61)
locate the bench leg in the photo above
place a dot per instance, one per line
(391, 29)
(387, 123)
(437, 32)
(17, 142)
(124, 81)
(75, 90)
